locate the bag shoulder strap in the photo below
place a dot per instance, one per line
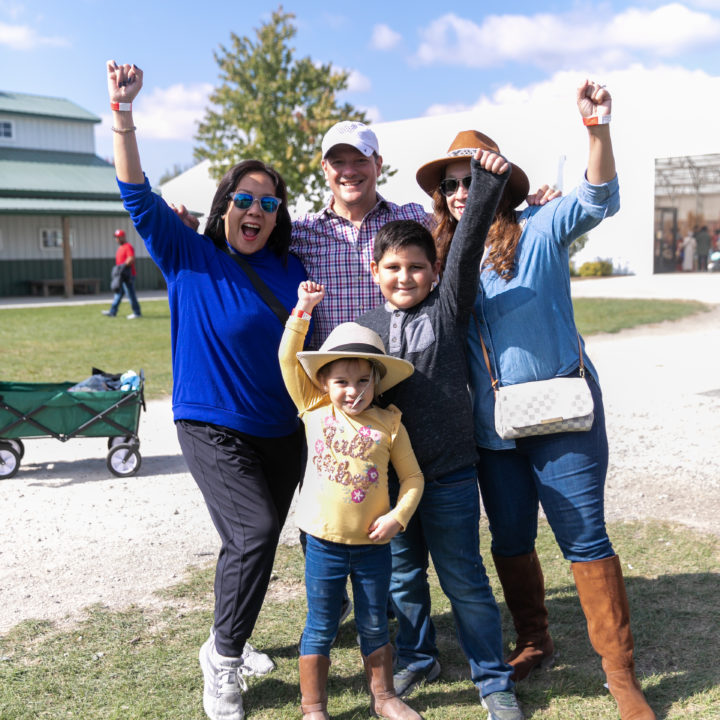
(262, 289)
(493, 381)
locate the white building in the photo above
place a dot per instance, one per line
(541, 130)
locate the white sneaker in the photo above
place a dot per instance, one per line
(256, 662)
(224, 683)
(132, 316)
(107, 313)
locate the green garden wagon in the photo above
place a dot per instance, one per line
(49, 410)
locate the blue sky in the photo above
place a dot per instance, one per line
(405, 59)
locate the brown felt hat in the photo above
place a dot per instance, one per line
(464, 145)
(350, 340)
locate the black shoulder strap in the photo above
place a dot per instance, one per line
(262, 289)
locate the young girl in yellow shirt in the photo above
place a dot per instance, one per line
(344, 505)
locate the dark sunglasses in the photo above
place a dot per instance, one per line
(243, 201)
(449, 186)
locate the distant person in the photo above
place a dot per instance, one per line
(125, 270)
(703, 241)
(237, 426)
(687, 248)
(344, 505)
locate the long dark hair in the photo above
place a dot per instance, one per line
(279, 240)
(502, 238)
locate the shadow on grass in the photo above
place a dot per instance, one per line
(115, 658)
(674, 623)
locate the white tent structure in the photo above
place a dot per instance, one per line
(540, 129)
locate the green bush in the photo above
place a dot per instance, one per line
(598, 268)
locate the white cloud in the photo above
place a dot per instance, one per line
(357, 82)
(372, 113)
(23, 37)
(563, 40)
(384, 38)
(169, 113)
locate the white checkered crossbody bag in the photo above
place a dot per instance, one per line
(541, 407)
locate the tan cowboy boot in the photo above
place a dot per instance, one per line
(313, 686)
(384, 702)
(523, 585)
(601, 590)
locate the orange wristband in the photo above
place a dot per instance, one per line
(121, 106)
(596, 120)
(300, 314)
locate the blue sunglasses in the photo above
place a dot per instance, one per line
(243, 201)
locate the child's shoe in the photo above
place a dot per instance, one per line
(384, 702)
(313, 686)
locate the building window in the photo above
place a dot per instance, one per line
(6, 130)
(52, 238)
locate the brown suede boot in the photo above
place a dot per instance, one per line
(523, 585)
(601, 590)
(313, 686)
(383, 701)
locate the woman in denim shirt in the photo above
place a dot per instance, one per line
(525, 315)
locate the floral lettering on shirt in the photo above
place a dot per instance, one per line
(359, 448)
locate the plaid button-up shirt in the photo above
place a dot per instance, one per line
(338, 255)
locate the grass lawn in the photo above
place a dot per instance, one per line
(54, 344)
(142, 663)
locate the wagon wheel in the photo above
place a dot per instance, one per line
(9, 461)
(124, 460)
(18, 446)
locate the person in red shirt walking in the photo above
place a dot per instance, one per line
(125, 269)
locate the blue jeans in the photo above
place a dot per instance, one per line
(446, 525)
(566, 473)
(129, 288)
(327, 567)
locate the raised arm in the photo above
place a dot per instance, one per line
(299, 386)
(595, 104)
(490, 173)
(124, 83)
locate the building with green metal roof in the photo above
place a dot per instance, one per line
(59, 201)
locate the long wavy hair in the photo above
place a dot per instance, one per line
(502, 239)
(279, 240)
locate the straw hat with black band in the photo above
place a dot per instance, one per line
(465, 145)
(350, 340)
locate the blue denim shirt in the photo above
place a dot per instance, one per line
(528, 323)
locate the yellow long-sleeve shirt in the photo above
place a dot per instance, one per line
(345, 487)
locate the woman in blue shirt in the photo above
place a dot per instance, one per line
(525, 316)
(237, 426)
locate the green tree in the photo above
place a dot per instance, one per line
(273, 107)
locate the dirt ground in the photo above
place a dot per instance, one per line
(71, 535)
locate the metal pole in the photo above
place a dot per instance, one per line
(67, 257)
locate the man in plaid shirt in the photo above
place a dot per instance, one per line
(336, 244)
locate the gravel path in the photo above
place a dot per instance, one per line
(71, 536)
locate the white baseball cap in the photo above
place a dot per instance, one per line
(349, 132)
